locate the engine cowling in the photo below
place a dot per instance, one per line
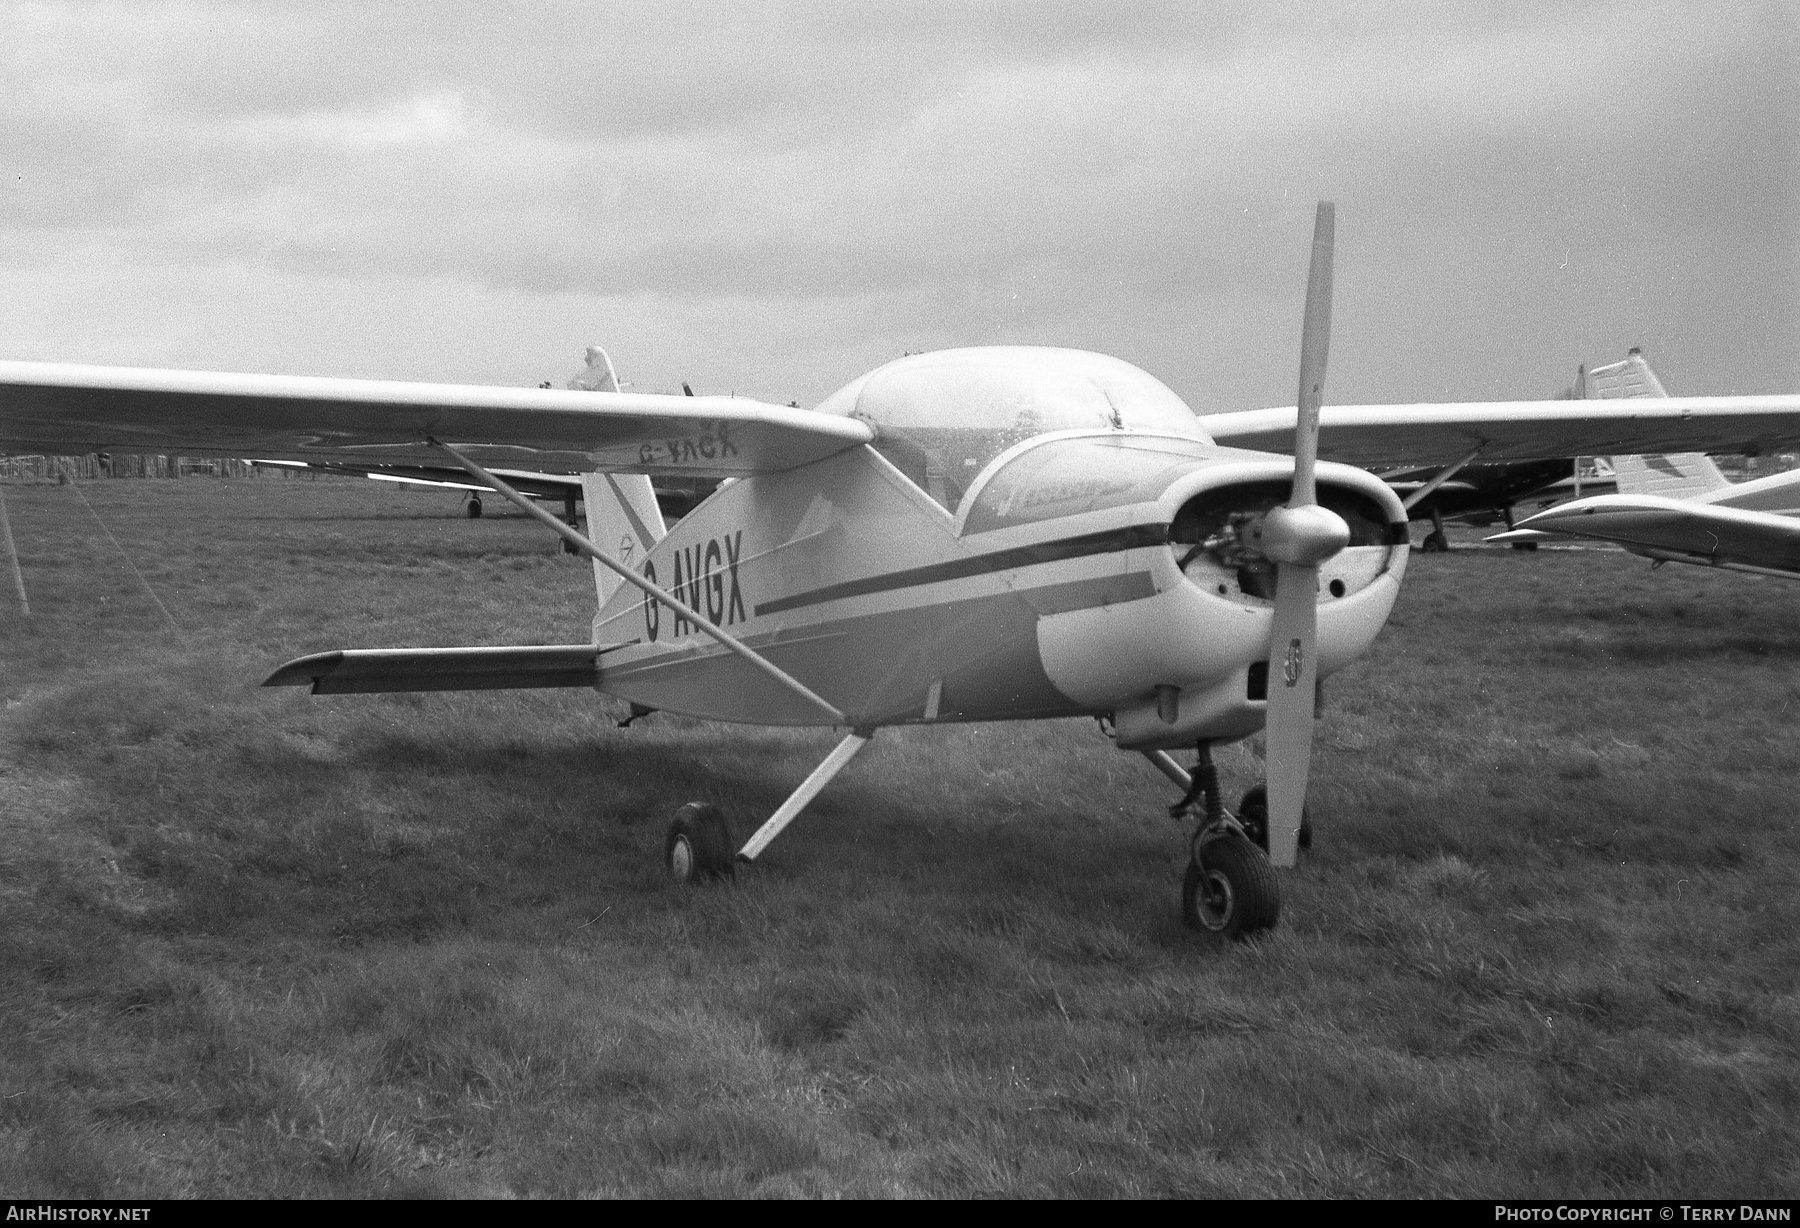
(1190, 661)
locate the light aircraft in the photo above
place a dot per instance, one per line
(1482, 491)
(1678, 508)
(1700, 516)
(1476, 490)
(969, 535)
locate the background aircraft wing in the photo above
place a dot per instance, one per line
(1693, 531)
(1374, 436)
(66, 409)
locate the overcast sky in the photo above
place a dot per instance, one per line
(774, 198)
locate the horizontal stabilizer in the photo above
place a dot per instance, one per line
(366, 671)
(1516, 536)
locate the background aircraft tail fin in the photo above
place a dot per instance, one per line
(1680, 476)
(599, 375)
(622, 519)
(1631, 377)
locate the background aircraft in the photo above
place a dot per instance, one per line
(1483, 490)
(972, 534)
(1678, 508)
(1474, 490)
(1681, 509)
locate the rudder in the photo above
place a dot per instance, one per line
(622, 519)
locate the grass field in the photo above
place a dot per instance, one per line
(254, 943)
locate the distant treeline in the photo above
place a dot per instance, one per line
(91, 466)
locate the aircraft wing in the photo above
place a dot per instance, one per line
(1376, 436)
(1680, 529)
(525, 481)
(61, 408)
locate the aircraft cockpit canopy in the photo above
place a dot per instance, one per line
(942, 416)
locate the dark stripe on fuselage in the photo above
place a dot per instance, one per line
(1108, 542)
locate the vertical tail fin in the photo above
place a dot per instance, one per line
(1682, 475)
(622, 519)
(599, 376)
(1631, 377)
(622, 515)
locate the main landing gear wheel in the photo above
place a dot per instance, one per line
(1230, 889)
(474, 508)
(1435, 543)
(699, 845)
(1253, 816)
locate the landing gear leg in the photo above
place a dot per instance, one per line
(1509, 525)
(1436, 541)
(1230, 887)
(568, 547)
(698, 846)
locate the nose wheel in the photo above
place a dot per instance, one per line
(1230, 887)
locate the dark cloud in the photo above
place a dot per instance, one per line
(1519, 190)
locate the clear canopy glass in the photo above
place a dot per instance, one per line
(941, 417)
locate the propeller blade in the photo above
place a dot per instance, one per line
(1299, 538)
(1293, 685)
(1315, 344)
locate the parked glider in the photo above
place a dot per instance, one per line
(968, 535)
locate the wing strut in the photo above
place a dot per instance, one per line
(1440, 477)
(582, 544)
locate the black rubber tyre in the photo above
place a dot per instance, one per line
(474, 509)
(1435, 543)
(1253, 815)
(699, 845)
(1524, 545)
(1230, 889)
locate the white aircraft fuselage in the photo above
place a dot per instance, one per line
(1034, 533)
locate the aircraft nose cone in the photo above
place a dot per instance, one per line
(1305, 536)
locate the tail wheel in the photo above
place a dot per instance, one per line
(699, 845)
(1230, 889)
(1253, 815)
